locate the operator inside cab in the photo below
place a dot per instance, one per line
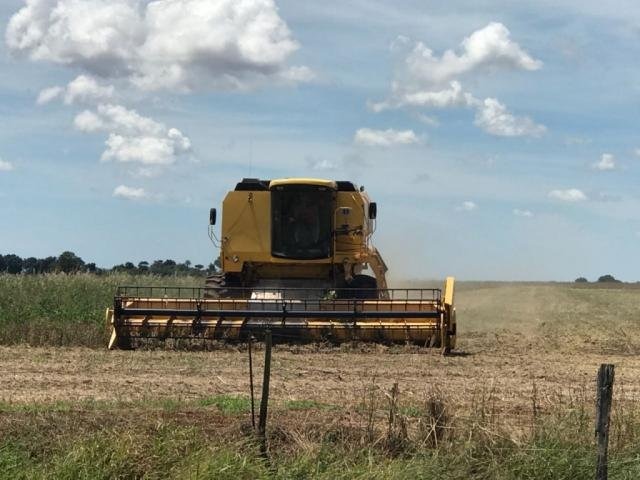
(301, 221)
(306, 223)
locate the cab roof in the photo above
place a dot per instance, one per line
(256, 184)
(304, 181)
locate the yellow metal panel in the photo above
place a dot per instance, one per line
(246, 232)
(350, 246)
(304, 181)
(449, 286)
(246, 229)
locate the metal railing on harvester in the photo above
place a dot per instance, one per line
(393, 315)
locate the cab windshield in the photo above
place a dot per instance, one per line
(301, 221)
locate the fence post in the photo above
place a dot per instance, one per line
(603, 411)
(253, 407)
(262, 422)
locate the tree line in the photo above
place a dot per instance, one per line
(69, 262)
(602, 279)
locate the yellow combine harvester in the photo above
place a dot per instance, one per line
(296, 259)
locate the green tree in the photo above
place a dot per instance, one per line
(157, 267)
(214, 267)
(46, 265)
(30, 265)
(608, 278)
(169, 267)
(143, 267)
(13, 263)
(69, 262)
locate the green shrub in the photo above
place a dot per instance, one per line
(65, 310)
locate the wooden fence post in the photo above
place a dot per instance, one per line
(603, 412)
(253, 403)
(262, 422)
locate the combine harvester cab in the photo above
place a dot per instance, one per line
(294, 256)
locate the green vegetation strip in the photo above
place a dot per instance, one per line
(308, 405)
(53, 447)
(65, 310)
(226, 404)
(210, 437)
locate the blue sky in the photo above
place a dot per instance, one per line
(500, 139)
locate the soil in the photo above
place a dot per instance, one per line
(519, 345)
(506, 374)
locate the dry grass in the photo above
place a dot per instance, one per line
(328, 377)
(382, 436)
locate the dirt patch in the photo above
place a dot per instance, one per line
(506, 375)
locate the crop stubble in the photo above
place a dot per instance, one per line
(514, 339)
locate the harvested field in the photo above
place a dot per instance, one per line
(511, 337)
(330, 376)
(526, 359)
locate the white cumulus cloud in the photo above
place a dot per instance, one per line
(49, 94)
(86, 89)
(83, 89)
(607, 162)
(88, 121)
(148, 150)
(494, 118)
(130, 193)
(488, 47)
(450, 96)
(384, 138)
(467, 206)
(522, 213)
(5, 166)
(133, 137)
(178, 45)
(426, 80)
(568, 195)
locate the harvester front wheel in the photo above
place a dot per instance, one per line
(361, 287)
(213, 285)
(448, 327)
(220, 285)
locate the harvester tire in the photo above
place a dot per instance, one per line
(214, 286)
(219, 285)
(363, 287)
(124, 344)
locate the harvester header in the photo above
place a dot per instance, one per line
(296, 258)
